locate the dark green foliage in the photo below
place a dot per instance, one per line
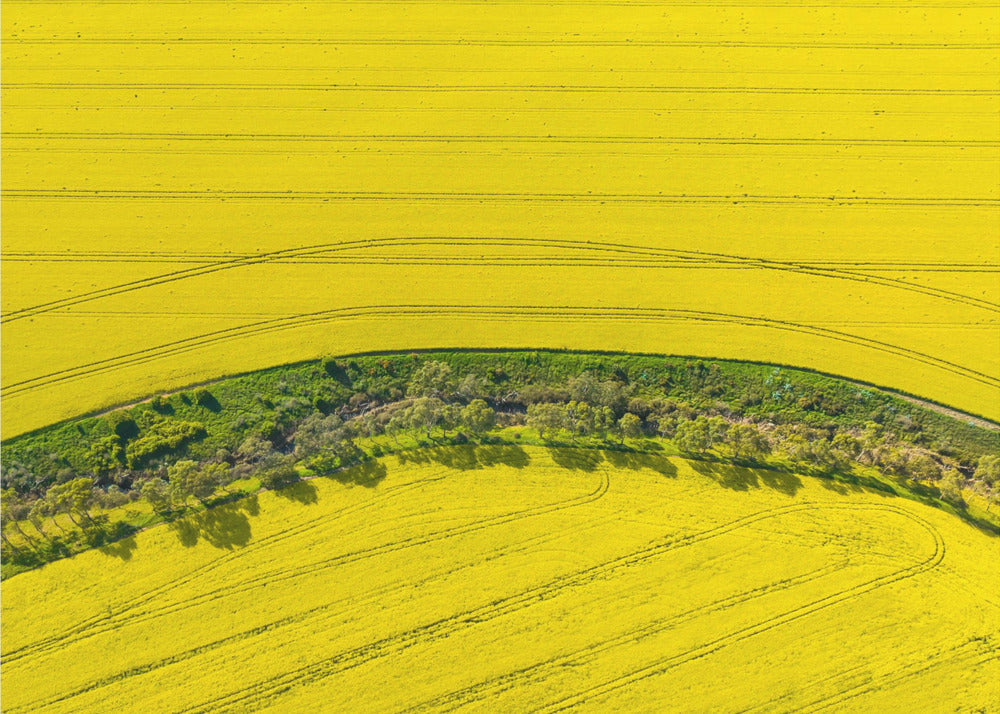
(276, 471)
(161, 405)
(477, 417)
(270, 424)
(122, 424)
(160, 438)
(988, 469)
(106, 454)
(204, 398)
(663, 391)
(337, 370)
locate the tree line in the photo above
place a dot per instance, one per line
(153, 455)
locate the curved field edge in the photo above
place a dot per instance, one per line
(692, 567)
(868, 436)
(977, 419)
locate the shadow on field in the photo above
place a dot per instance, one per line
(465, 457)
(122, 549)
(576, 459)
(839, 486)
(740, 478)
(301, 492)
(226, 526)
(636, 460)
(367, 474)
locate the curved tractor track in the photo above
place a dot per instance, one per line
(269, 689)
(609, 254)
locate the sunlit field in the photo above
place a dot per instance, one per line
(194, 189)
(501, 578)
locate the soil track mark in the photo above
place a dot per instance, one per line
(266, 690)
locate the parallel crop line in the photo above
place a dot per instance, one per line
(630, 251)
(268, 689)
(507, 313)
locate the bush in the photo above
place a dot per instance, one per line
(204, 398)
(161, 438)
(122, 424)
(337, 370)
(988, 470)
(161, 404)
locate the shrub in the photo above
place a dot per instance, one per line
(122, 424)
(161, 438)
(161, 404)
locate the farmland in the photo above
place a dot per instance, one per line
(530, 578)
(194, 189)
(621, 355)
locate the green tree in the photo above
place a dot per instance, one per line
(546, 418)
(451, 418)
(471, 386)
(122, 424)
(277, 470)
(10, 507)
(158, 493)
(692, 436)
(425, 413)
(579, 418)
(746, 442)
(325, 436)
(613, 395)
(874, 446)
(36, 516)
(5, 519)
(988, 470)
(72, 497)
(604, 422)
(584, 387)
(254, 448)
(951, 488)
(43, 509)
(368, 425)
(922, 467)
(823, 458)
(846, 447)
(587, 389)
(432, 379)
(629, 427)
(106, 454)
(699, 435)
(477, 417)
(396, 424)
(217, 473)
(187, 479)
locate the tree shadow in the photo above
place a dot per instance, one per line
(740, 478)
(576, 459)
(507, 454)
(367, 473)
(465, 457)
(636, 460)
(782, 481)
(841, 484)
(301, 492)
(122, 549)
(208, 401)
(462, 458)
(109, 537)
(417, 456)
(225, 527)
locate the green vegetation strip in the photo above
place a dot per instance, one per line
(91, 481)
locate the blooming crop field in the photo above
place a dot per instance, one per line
(193, 189)
(515, 578)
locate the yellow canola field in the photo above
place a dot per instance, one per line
(510, 579)
(192, 189)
